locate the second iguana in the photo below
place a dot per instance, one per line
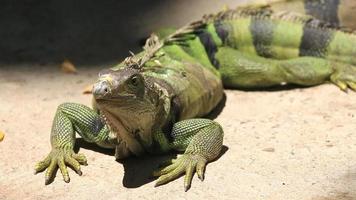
(153, 101)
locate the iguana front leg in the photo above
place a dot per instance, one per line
(201, 139)
(71, 118)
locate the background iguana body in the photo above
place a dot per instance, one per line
(340, 13)
(151, 102)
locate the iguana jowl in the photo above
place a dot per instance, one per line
(151, 102)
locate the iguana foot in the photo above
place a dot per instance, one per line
(186, 163)
(60, 158)
(344, 77)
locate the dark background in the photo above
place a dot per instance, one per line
(88, 31)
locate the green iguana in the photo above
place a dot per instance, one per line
(152, 102)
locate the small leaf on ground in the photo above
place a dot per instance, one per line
(88, 89)
(68, 67)
(2, 135)
(269, 149)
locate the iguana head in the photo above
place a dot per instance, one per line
(129, 104)
(121, 86)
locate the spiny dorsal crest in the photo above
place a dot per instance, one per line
(153, 44)
(266, 12)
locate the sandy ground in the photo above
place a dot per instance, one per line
(291, 144)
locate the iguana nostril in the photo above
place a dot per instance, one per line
(100, 88)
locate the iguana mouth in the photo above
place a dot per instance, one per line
(115, 99)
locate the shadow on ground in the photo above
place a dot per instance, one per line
(81, 143)
(218, 109)
(138, 170)
(276, 88)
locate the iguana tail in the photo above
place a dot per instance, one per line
(281, 35)
(257, 47)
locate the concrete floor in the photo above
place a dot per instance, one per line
(291, 144)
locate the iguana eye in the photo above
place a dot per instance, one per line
(134, 80)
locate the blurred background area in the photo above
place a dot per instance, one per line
(89, 32)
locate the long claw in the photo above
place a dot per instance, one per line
(73, 163)
(60, 158)
(188, 177)
(165, 170)
(352, 85)
(64, 170)
(170, 176)
(42, 165)
(188, 164)
(80, 158)
(342, 85)
(344, 77)
(201, 169)
(49, 173)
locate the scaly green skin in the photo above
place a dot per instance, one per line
(337, 12)
(151, 103)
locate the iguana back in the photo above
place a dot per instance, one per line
(259, 40)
